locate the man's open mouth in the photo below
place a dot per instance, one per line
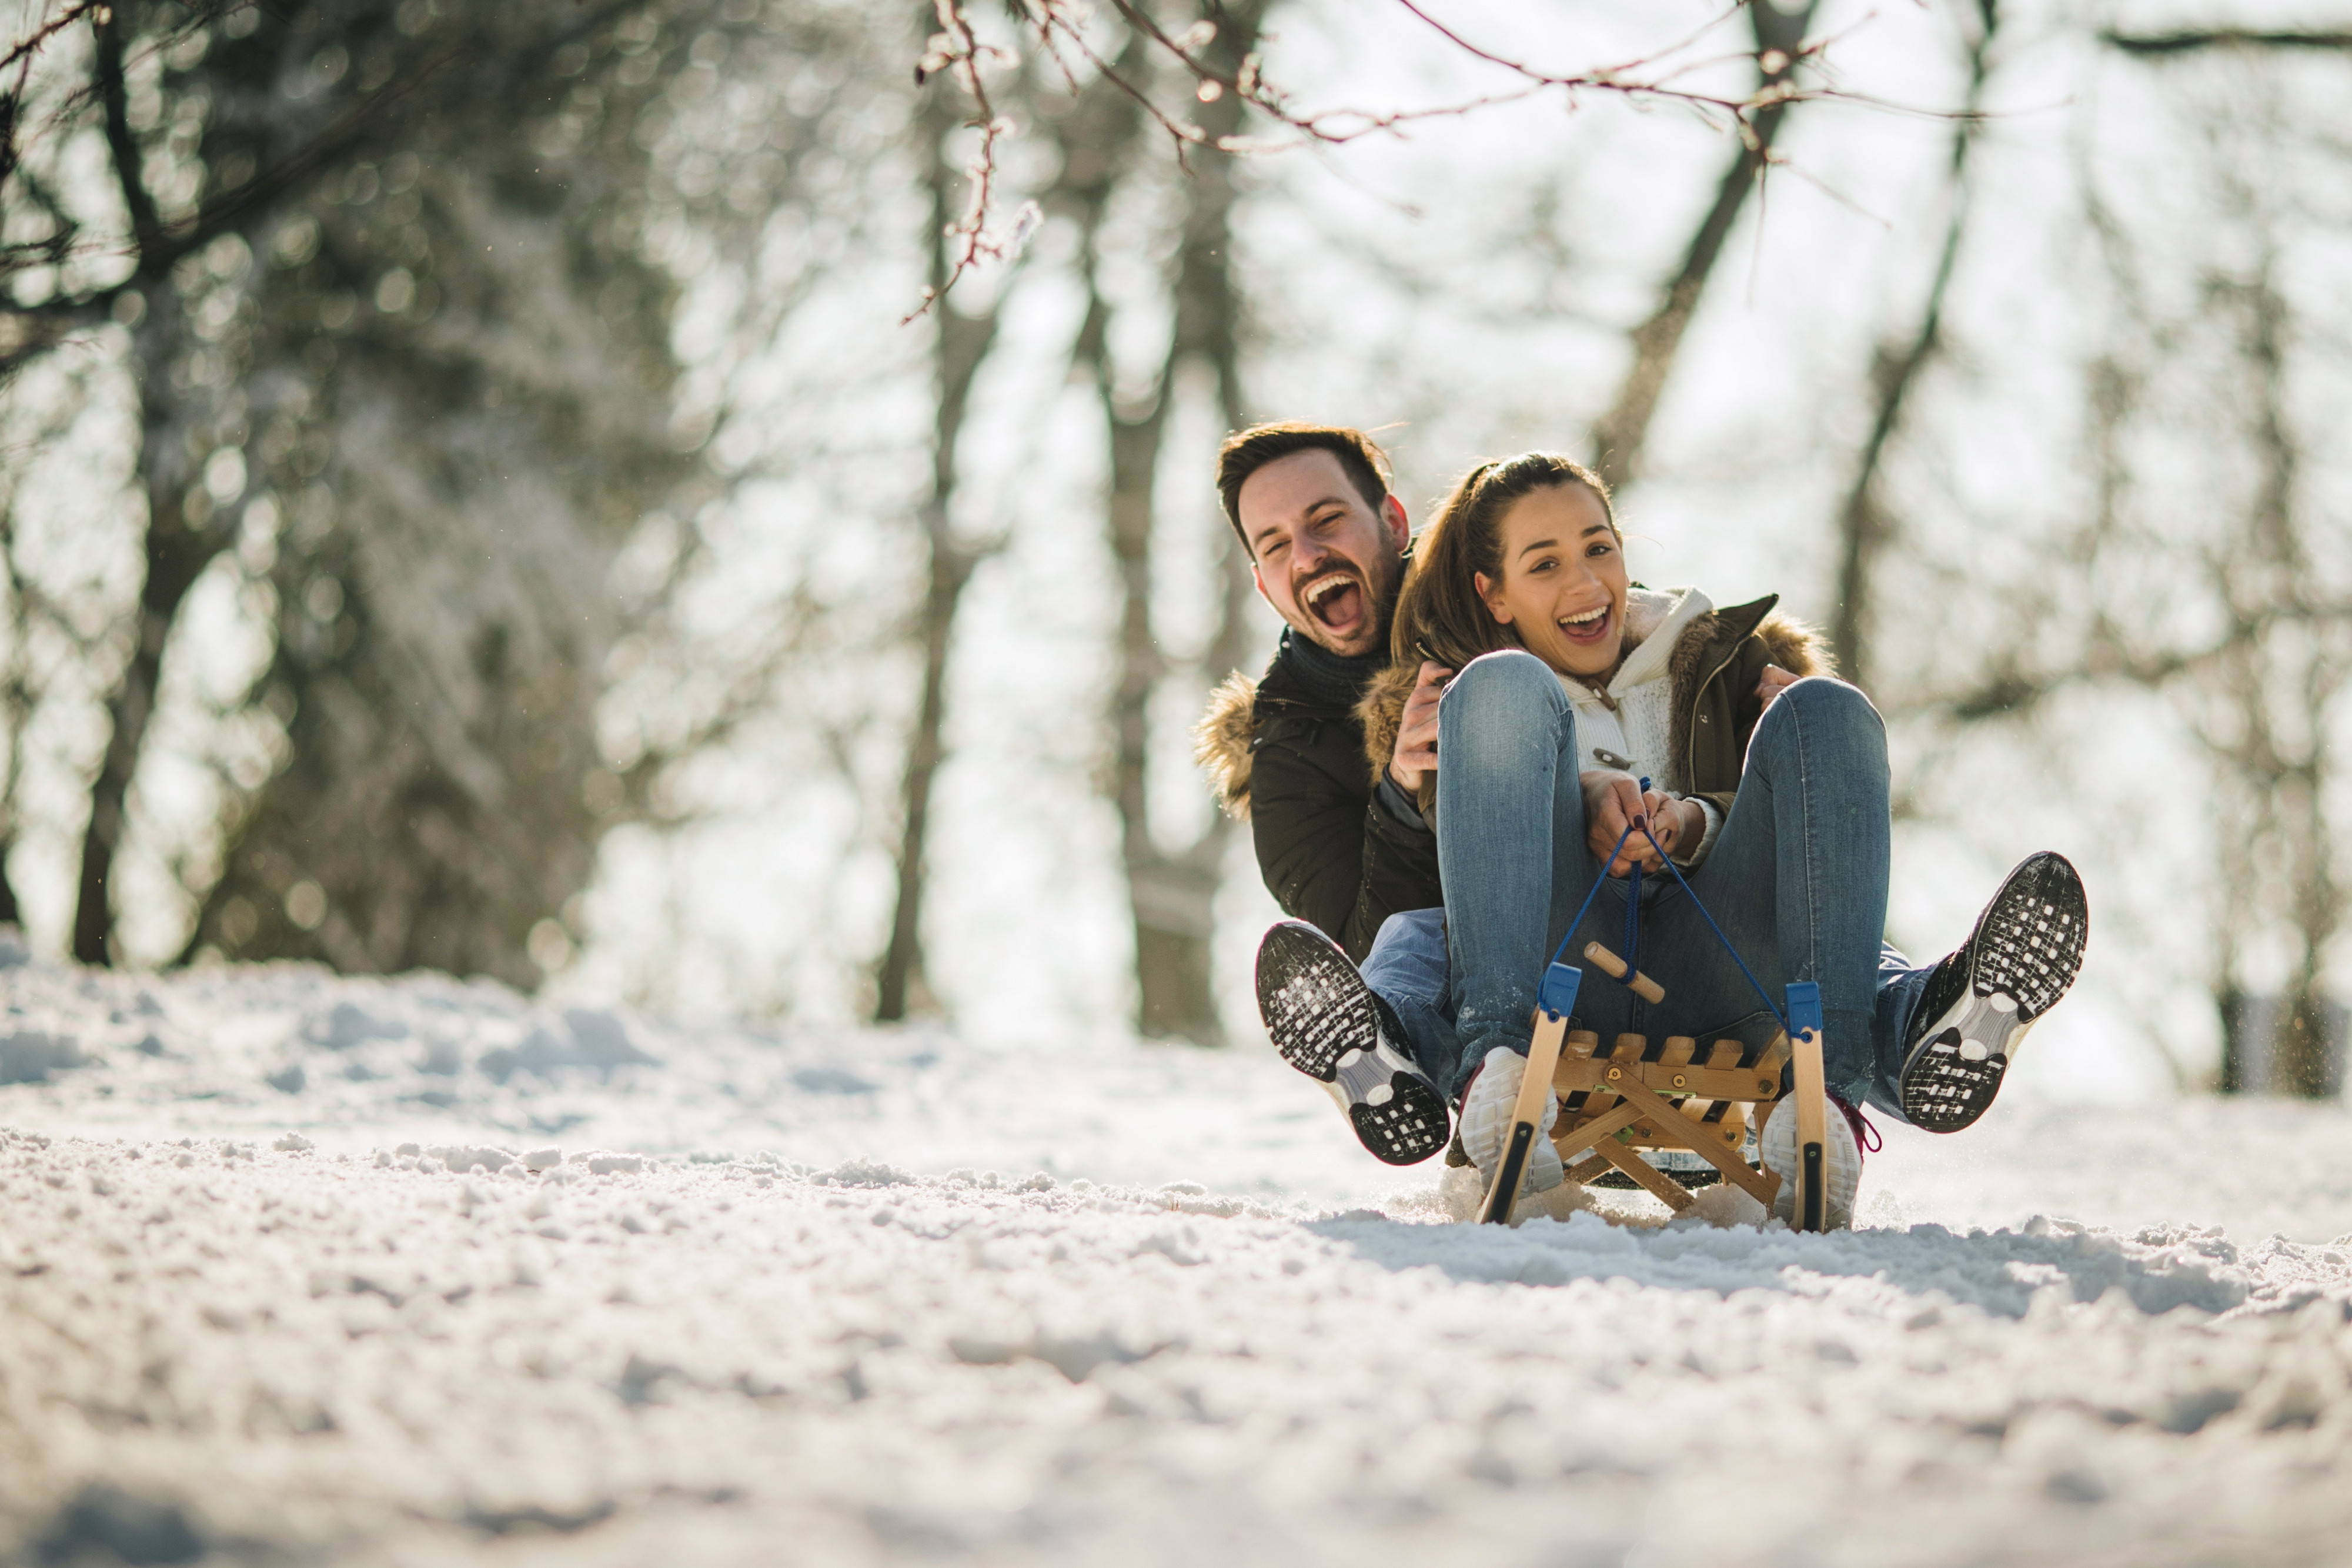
(1336, 599)
(1587, 625)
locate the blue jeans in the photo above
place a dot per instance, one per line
(1797, 880)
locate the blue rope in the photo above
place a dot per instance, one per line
(1589, 896)
(1633, 916)
(1634, 889)
(1761, 994)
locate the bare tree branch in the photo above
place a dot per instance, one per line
(1865, 526)
(1619, 435)
(2189, 42)
(1058, 30)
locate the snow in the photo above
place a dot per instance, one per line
(417, 1271)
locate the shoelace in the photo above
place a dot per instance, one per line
(1866, 1136)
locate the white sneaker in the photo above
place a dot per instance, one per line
(1840, 1151)
(1485, 1122)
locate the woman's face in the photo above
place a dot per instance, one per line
(1563, 583)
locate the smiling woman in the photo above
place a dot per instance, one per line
(1562, 587)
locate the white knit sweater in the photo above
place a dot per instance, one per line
(1634, 737)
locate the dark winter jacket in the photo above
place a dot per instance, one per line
(1293, 768)
(1714, 673)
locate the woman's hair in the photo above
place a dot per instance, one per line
(1439, 614)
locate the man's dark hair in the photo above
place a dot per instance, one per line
(1247, 451)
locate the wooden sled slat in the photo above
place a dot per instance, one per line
(1585, 1135)
(1761, 1186)
(1666, 1078)
(1584, 1171)
(1661, 1187)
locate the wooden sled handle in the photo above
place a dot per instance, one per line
(1812, 1197)
(1609, 964)
(1526, 1118)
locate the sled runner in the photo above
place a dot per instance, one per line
(1639, 1096)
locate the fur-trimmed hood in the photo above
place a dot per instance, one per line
(1283, 753)
(1221, 742)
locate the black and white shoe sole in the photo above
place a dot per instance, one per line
(2024, 953)
(1332, 1027)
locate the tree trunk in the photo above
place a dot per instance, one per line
(962, 343)
(2230, 1077)
(176, 553)
(2299, 1064)
(2298, 780)
(1617, 439)
(1171, 894)
(1865, 526)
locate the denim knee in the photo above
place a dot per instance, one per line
(1824, 705)
(1493, 697)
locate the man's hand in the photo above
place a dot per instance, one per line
(1416, 747)
(1776, 681)
(1612, 799)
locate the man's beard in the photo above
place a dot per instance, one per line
(1380, 604)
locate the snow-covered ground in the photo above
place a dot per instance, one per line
(297, 1268)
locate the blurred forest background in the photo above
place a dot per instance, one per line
(707, 502)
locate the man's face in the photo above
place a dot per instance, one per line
(1323, 556)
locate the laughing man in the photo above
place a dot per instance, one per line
(1327, 545)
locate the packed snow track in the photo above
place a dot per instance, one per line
(299, 1269)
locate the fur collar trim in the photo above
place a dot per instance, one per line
(1788, 642)
(1221, 743)
(1655, 623)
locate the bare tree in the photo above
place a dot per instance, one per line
(959, 345)
(2265, 709)
(1618, 437)
(493, 421)
(2265, 698)
(212, 117)
(1866, 527)
(1172, 892)
(26, 613)
(2234, 609)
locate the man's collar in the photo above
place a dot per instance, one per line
(1329, 679)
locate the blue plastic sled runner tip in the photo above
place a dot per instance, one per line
(1556, 995)
(1804, 1007)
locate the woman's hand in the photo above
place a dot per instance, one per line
(1776, 681)
(1612, 799)
(1416, 747)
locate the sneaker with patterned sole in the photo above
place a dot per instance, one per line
(1841, 1152)
(2025, 951)
(1335, 1029)
(1488, 1101)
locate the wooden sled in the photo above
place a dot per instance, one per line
(1634, 1096)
